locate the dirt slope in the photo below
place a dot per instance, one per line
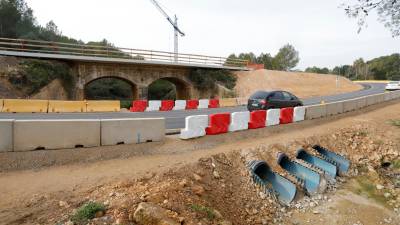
(301, 84)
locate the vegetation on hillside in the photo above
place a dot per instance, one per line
(286, 59)
(381, 68)
(208, 79)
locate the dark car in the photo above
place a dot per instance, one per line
(263, 100)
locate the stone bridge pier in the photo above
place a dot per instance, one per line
(138, 76)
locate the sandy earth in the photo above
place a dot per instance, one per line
(34, 195)
(301, 84)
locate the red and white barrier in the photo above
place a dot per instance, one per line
(257, 119)
(239, 121)
(192, 104)
(214, 103)
(154, 106)
(286, 116)
(180, 105)
(167, 105)
(218, 123)
(139, 106)
(299, 113)
(203, 103)
(273, 116)
(195, 126)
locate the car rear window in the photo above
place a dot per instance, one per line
(259, 95)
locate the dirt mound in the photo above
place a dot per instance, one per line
(301, 84)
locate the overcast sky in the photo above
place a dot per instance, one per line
(319, 29)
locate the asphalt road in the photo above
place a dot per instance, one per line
(176, 119)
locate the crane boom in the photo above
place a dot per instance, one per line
(174, 24)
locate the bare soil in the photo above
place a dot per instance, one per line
(181, 176)
(301, 84)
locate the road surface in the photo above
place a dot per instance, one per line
(176, 119)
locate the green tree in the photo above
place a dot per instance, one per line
(315, 69)
(16, 18)
(286, 59)
(385, 67)
(388, 12)
(266, 59)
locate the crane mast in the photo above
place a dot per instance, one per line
(174, 24)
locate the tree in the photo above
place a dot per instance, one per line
(286, 59)
(16, 18)
(265, 59)
(315, 69)
(387, 10)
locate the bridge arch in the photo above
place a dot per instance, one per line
(181, 88)
(117, 86)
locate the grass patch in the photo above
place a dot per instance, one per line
(87, 212)
(367, 188)
(396, 164)
(204, 210)
(395, 123)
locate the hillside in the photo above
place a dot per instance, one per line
(301, 84)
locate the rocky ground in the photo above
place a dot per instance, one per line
(216, 188)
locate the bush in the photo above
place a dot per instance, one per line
(87, 212)
(38, 73)
(127, 104)
(162, 90)
(206, 79)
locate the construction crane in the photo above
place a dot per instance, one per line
(174, 23)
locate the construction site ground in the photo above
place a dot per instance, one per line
(206, 181)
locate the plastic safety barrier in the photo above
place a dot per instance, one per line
(257, 119)
(315, 111)
(239, 121)
(192, 104)
(218, 123)
(67, 106)
(180, 105)
(203, 103)
(167, 105)
(103, 106)
(195, 126)
(6, 135)
(299, 114)
(273, 117)
(286, 115)
(284, 190)
(228, 102)
(328, 168)
(55, 134)
(341, 162)
(139, 106)
(309, 178)
(154, 106)
(132, 131)
(214, 103)
(25, 106)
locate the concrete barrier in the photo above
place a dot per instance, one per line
(228, 102)
(239, 121)
(334, 108)
(153, 106)
(195, 126)
(132, 131)
(25, 106)
(55, 134)
(6, 135)
(315, 111)
(66, 106)
(299, 114)
(361, 102)
(203, 103)
(103, 106)
(180, 105)
(273, 117)
(242, 101)
(1, 105)
(351, 105)
(387, 96)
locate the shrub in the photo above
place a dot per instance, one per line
(87, 212)
(206, 79)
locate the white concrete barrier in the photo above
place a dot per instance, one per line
(180, 105)
(387, 96)
(132, 131)
(203, 103)
(299, 113)
(361, 102)
(154, 106)
(55, 134)
(195, 126)
(334, 108)
(239, 121)
(374, 99)
(396, 94)
(273, 117)
(351, 105)
(315, 111)
(6, 135)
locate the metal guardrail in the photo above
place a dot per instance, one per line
(47, 47)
